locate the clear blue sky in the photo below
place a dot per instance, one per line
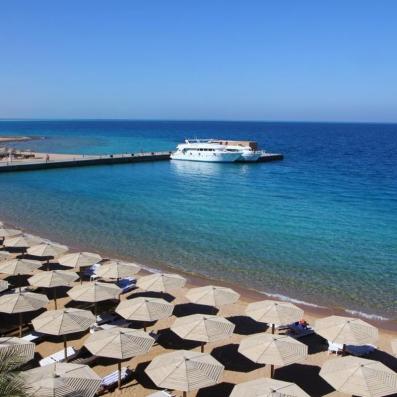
(227, 60)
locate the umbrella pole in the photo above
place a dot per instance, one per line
(119, 368)
(48, 265)
(271, 371)
(20, 325)
(202, 347)
(65, 347)
(184, 394)
(144, 326)
(19, 282)
(95, 309)
(81, 276)
(55, 298)
(273, 328)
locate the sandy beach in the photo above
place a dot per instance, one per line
(237, 368)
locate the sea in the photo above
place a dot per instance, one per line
(318, 227)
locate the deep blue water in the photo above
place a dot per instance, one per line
(320, 226)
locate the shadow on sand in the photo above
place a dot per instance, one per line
(229, 356)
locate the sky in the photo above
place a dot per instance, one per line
(199, 60)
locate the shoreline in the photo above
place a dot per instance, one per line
(247, 295)
(8, 139)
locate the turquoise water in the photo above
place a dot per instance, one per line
(319, 226)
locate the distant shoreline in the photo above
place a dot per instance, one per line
(7, 139)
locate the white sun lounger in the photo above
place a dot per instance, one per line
(105, 318)
(113, 378)
(59, 356)
(335, 347)
(117, 323)
(33, 336)
(161, 393)
(359, 351)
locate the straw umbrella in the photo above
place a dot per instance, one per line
(394, 346)
(359, 377)
(5, 233)
(95, 292)
(346, 330)
(273, 349)
(21, 302)
(202, 328)
(3, 285)
(22, 242)
(62, 380)
(119, 343)
(47, 251)
(161, 282)
(274, 312)
(184, 370)
(145, 309)
(117, 270)
(62, 322)
(53, 279)
(16, 267)
(267, 387)
(212, 295)
(18, 347)
(78, 260)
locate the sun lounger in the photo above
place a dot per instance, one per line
(89, 271)
(360, 350)
(298, 331)
(33, 337)
(127, 284)
(335, 348)
(105, 318)
(59, 356)
(161, 393)
(111, 380)
(116, 323)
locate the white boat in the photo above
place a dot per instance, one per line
(249, 154)
(206, 150)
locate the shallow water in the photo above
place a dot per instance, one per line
(319, 226)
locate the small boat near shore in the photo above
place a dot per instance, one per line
(217, 150)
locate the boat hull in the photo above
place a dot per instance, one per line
(209, 157)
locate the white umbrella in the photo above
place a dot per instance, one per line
(3, 285)
(62, 380)
(78, 260)
(95, 292)
(267, 387)
(16, 267)
(212, 295)
(119, 343)
(161, 282)
(274, 312)
(22, 349)
(273, 349)
(117, 270)
(47, 250)
(346, 330)
(53, 279)
(184, 370)
(145, 309)
(21, 302)
(5, 233)
(202, 328)
(62, 322)
(22, 241)
(359, 377)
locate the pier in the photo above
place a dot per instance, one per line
(69, 160)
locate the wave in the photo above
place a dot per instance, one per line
(292, 300)
(366, 315)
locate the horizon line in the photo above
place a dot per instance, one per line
(194, 120)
